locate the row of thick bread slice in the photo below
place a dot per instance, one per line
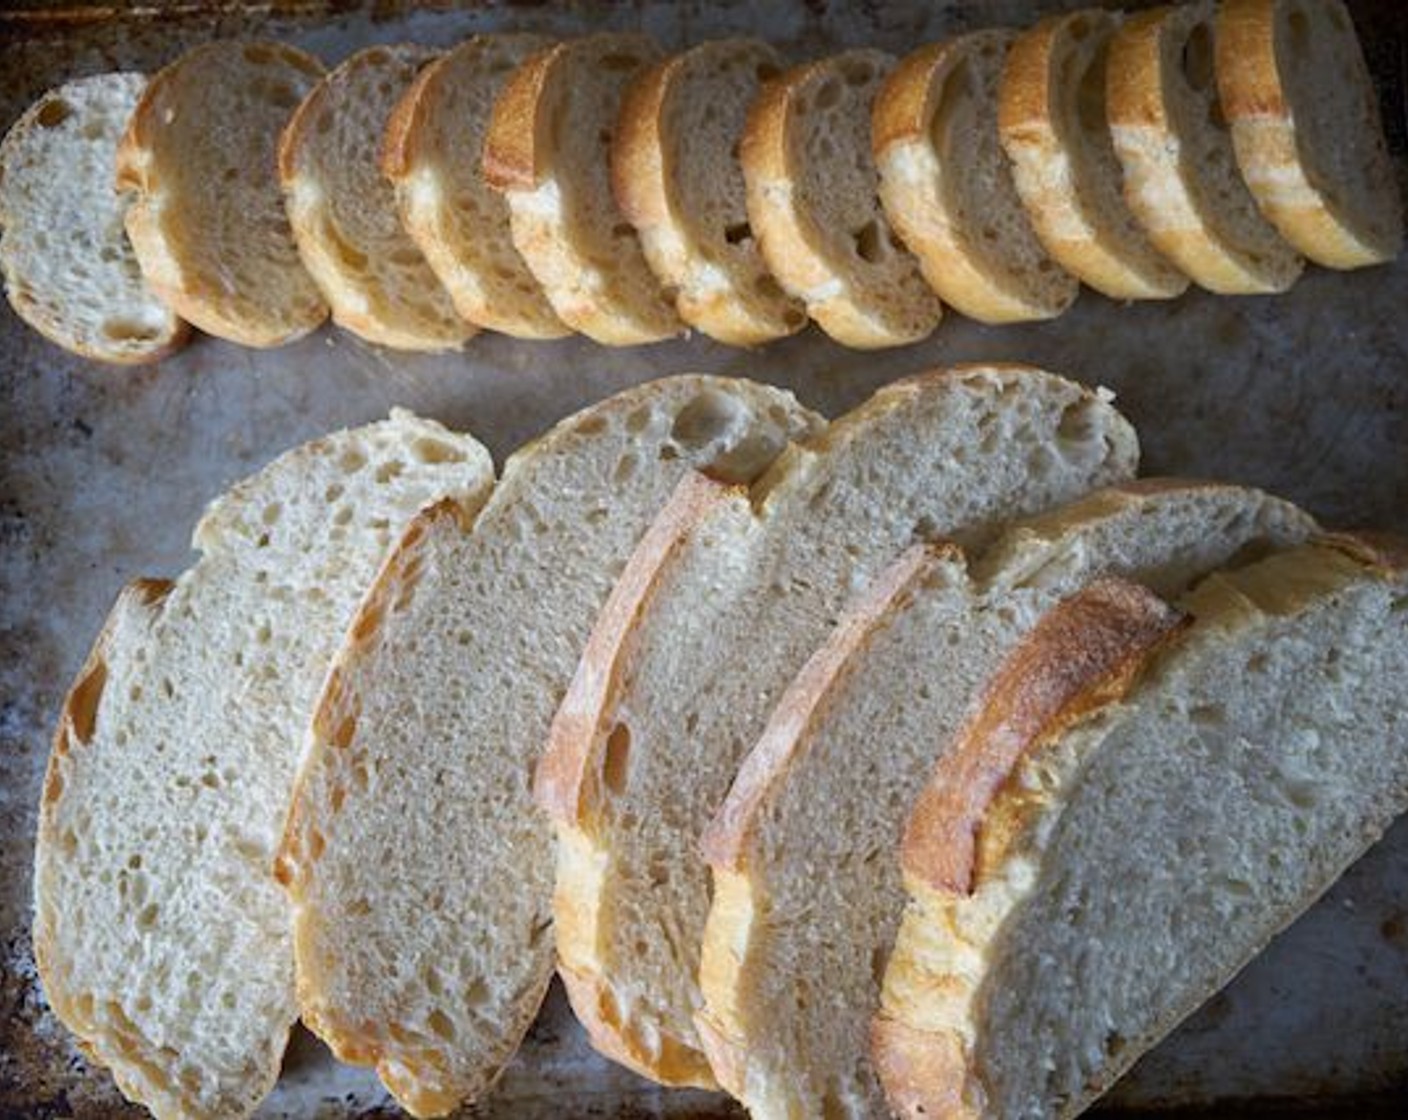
(537, 188)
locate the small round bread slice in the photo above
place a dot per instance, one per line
(208, 222)
(1180, 172)
(814, 204)
(1053, 126)
(434, 155)
(343, 210)
(1306, 128)
(947, 185)
(676, 175)
(70, 271)
(1146, 797)
(805, 849)
(549, 151)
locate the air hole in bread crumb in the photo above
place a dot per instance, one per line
(147, 918)
(615, 765)
(828, 96)
(1207, 715)
(738, 232)
(441, 1025)
(53, 113)
(625, 468)
(351, 461)
(389, 471)
(1257, 663)
(618, 62)
(1197, 60)
(872, 246)
(427, 450)
(1299, 26)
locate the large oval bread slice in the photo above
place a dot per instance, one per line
(433, 155)
(162, 939)
(420, 872)
(948, 188)
(807, 888)
(1180, 172)
(1053, 124)
(549, 151)
(208, 223)
(1143, 801)
(1306, 127)
(814, 205)
(677, 177)
(343, 210)
(716, 612)
(70, 271)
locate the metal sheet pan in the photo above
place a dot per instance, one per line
(103, 472)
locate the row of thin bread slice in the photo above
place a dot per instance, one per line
(538, 188)
(407, 738)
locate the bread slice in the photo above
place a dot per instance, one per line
(1053, 125)
(1306, 128)
(1140, 806)
(343, 210)
(549, 152)
(420, 873)
(162, 939)
(208, 223)
(1180, 173)
(807, 888)
(676, 175)
(718, 609)
(433, 155)
(70, 272)
(813, 202)
(947, 186)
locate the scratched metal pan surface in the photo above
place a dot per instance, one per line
(104, 471)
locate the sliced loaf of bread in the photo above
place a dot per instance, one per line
(343, 210)
(814, 205)
(807, 887)
(1053, 124)
(1306, 128)
(1180, 172)
(162, 939)
(207, 222)
(434, 155)
(1142, 802)
(677, 178)
(947, 185)
(549, 151)
(420, 872)
(70, 272)
(716, 612)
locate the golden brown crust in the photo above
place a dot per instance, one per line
(1083, 654)
(514, 145)
(639, 178)
(925, 1073)
(406, 124)
(1248, 81)
(1385, 553)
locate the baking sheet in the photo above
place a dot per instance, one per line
(104, 471)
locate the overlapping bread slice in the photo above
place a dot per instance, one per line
(434, 156)
(1306, 128)
(813, 203)
(1053, 125)
(549, 151)
(677, 178)
(420, 872)
(343, 210)
(162, 939)
(70, 272)
(718, 609)
(1146, 798)
(1180, 172)
(807, 888)
(208, 222)
(947, 185)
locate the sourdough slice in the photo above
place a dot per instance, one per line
(1081, 883)
(549, 152)
(208, 223)
(421, 874)
(813, 202)
(677, 178)
(70, 272)
(343, 210)
(948, 189)
(718, 609)
(1180, 172)
(807, 887)
(162, 939)
(1053, 126)
(433, 155)
(1306, 128)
